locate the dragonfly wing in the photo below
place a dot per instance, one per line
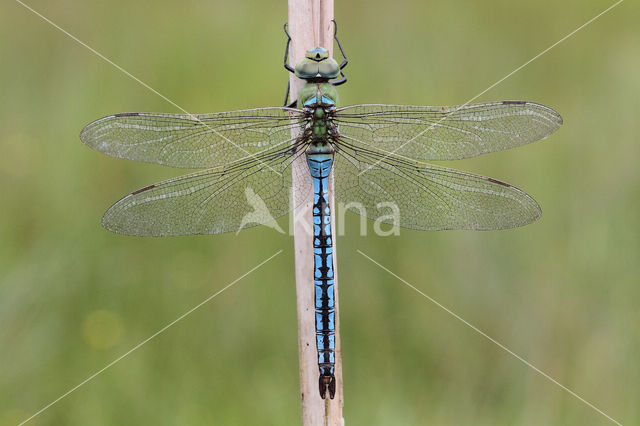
(420, 196)
(448, 133)
(191, 141)
(226, 199)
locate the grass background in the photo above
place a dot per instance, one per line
(563, 292)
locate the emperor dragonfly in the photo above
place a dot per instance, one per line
(377, 153)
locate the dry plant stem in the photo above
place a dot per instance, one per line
(310, 26)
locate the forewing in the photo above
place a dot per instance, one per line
(447, 133)
(191, 141)
(226, 199)
(420, 196)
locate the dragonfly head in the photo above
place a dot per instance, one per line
(317, 65)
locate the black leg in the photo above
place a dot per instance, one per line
(345, 61)
(335, 36)
(286, 52)
(286, 98)
(288, 68)
(286, 95)
(341, 81)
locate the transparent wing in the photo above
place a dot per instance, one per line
(190, 141)
(420, 196)
(447, 133)
(226, 199)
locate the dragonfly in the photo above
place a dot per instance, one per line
(376, 154)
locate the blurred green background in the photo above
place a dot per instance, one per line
(562, 293)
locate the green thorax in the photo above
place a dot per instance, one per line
(317, 94)
(318, 100)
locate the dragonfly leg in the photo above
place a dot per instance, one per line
(341, 81)
(335, 36)
(345, 60)
(288, 68)
(286, 94)
(286, 52)
(286, 97)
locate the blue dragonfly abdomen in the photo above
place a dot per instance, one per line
(323, 274)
